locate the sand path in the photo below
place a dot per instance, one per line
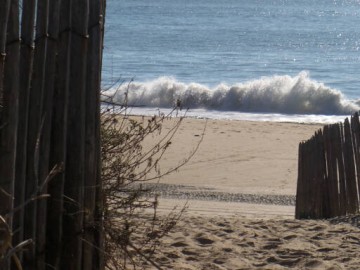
(256, 162)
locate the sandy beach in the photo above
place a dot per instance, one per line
(238, 156)
(240, 192)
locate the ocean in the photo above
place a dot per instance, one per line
(273, 60)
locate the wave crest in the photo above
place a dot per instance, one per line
(276, 94)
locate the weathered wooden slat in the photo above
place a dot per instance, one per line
(355, 128)
(309, 178)
(35, 128)
(332, 170)
(334, 145)
(92, 152)
(74, 181)
(304, 192)
(322, 176)
(349, 161)
(26, 62)
(98, 259)
(9, 111)
(58, 139)
(316, 175)
(339, 141)
(300, 183)
(9, 115)
(4, 15)
(311, 181)
(53, 18)
(319, 164)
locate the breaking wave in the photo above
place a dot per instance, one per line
(276, 94)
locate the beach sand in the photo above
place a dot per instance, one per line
(215, 242)
(238, 156)
(240, 190)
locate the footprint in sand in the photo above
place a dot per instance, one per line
(290, 237)
(219, 261)
(164, 260)
(243, 233)
(344, 259)
(293, 253)
(324, 249)
(172, 255)
(204, 241)
(318, 236)
(352, 239)
(191, 259)
(220, 224)
(272, 243)
(189, 252)
(314, 264)
(283, 262)
(260, 264)
(317, 228)
(179, 244)
(227, 249)
(292, 226)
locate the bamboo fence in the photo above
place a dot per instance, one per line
(50, 188)
(329, 172)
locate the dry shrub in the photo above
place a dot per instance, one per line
(133, 230)
(8, 253)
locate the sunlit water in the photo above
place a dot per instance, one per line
(234, 59)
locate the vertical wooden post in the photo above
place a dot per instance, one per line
(355, 128)
(349, 161)
(9, 91)
(4, 16)
(322, 176)
(92, 151)
(309, 178)
(319, 171)
(9, 111)
(338, 143)
(332, 171)
(74, 181)
(4, 181)
(98, 259)
(299, 189)
(26, 62)
(35, 127)
(58, 139)
(53, 18)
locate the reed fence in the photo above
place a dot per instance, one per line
(329, 172)
(50, 188)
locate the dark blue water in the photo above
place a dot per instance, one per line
(192, 47)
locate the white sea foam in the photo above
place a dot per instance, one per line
(271, 95)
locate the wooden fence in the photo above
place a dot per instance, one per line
(329, 172)
(50, 72)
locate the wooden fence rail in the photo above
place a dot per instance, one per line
(329, 172)
(50, 73)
